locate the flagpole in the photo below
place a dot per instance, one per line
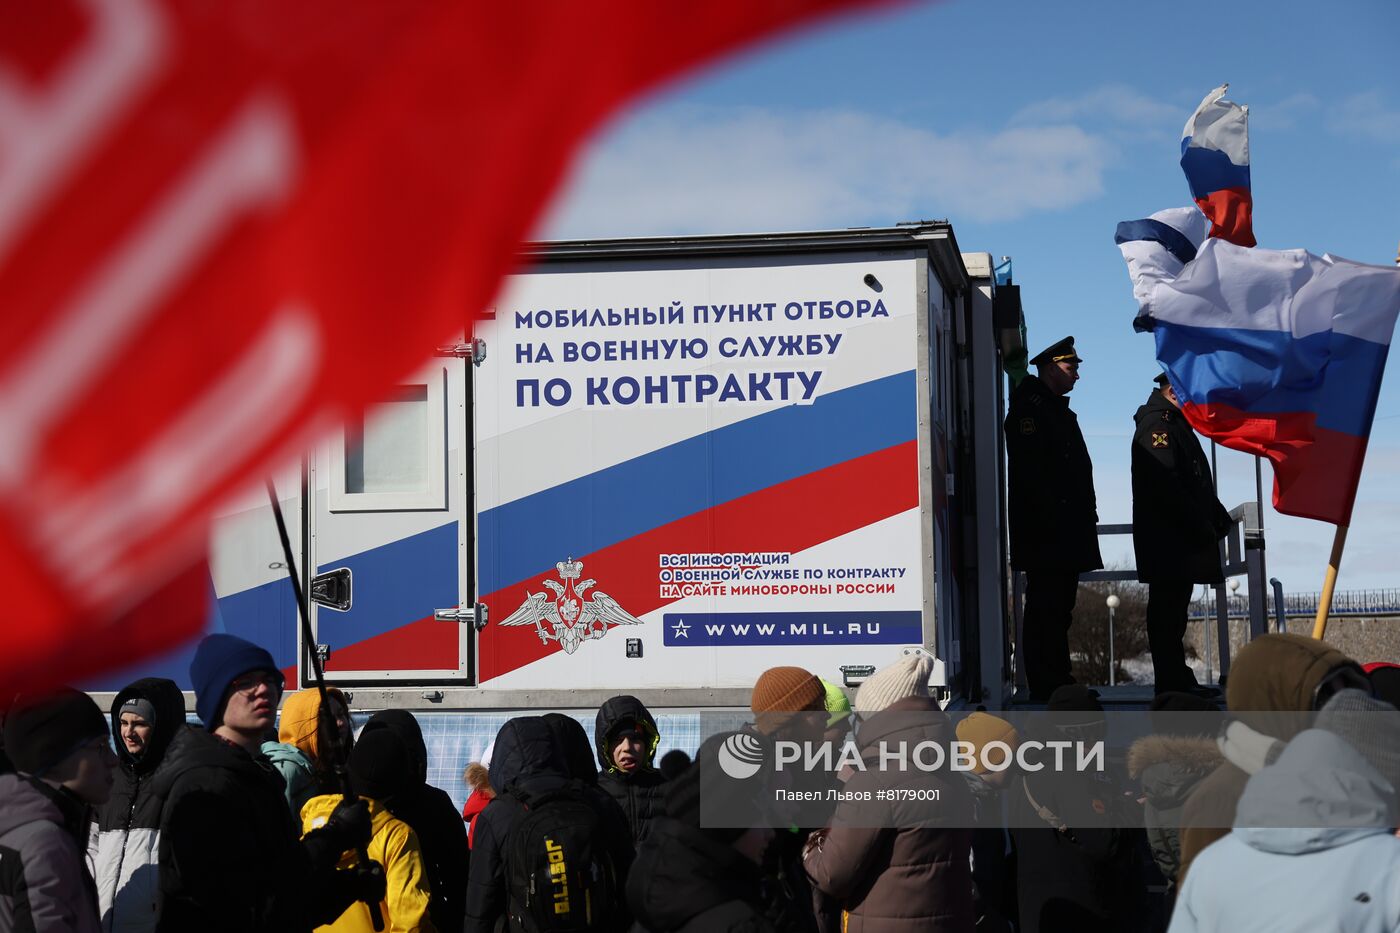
(1324, 605)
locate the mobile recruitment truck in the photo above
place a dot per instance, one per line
(660, 467)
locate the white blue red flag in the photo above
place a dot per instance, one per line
(1278, 353)
(1215, 158)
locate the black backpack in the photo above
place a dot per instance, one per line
(560, 874)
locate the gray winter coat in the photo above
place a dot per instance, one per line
(1169, 768)
(1340, 871)
(44, 882)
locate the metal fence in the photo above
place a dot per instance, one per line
(1344, 603)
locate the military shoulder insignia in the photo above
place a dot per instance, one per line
(1166, 416)
(1027, 425)
(1159, 440)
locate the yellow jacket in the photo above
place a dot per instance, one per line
(393, 845)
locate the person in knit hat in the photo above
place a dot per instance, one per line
(58, 743)
(693, 878)
(302, 751)
(1313, 846)
(903, 865)
(789, 704)
(994, 742)
(231, 856)
(907, 677)
(381, 768)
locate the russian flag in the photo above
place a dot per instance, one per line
(1278, 353)
(1215, 158)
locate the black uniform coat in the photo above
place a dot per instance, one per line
(1177, 521)
(1053, 510)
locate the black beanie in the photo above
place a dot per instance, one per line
(380, 766)
(42, 730)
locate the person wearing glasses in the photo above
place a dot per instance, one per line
(231, 856)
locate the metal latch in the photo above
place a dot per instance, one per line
(475, 615)
(474, 351)
(333, 589)
(853, 675)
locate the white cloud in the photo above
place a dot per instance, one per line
(1112, 104)
(1366, 115)
(690, 170)
(1283, 115)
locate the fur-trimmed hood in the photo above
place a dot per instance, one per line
(1196, 752)
(1170, 766)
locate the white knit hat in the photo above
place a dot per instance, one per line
(907, 677)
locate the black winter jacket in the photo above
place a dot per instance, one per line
(229, 853)
(1050, 487)
(433, 817)
(684, 881)
(124, 846)
(532, 755)
(640, 793)
(44, 884)
(1177, 520)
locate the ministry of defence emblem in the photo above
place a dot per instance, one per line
(573, 619)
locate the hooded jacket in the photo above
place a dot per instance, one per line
(892, 867)
(1169, 767)
(1339, 873)
(686, 881)
(44, 884)
(640, 792)
(432, 816)
(532, 755)
(1271, 688)
(298, 749)
(124, 846)
(393, 845)
(230, 859)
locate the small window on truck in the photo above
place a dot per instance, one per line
(393, 458)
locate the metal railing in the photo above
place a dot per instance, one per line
(1345, 603)
(1242, 554)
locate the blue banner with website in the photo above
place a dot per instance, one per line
(708, 629)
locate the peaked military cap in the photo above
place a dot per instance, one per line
(1058, 352)
(1162, 380)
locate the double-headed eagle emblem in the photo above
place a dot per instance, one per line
(573, 619)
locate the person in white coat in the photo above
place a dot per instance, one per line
(1314, 844)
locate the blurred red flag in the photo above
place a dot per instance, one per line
(223, 225)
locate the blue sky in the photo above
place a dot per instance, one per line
(1035, 127)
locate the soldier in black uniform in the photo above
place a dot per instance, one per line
(1177, 526)
(1053, 512)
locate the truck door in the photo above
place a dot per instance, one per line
(389, 500)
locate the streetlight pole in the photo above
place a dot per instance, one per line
(1112, 602)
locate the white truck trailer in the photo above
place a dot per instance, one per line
(661, 466)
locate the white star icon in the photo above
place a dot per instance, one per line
(681, 629)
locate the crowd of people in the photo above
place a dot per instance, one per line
(1282, 816)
